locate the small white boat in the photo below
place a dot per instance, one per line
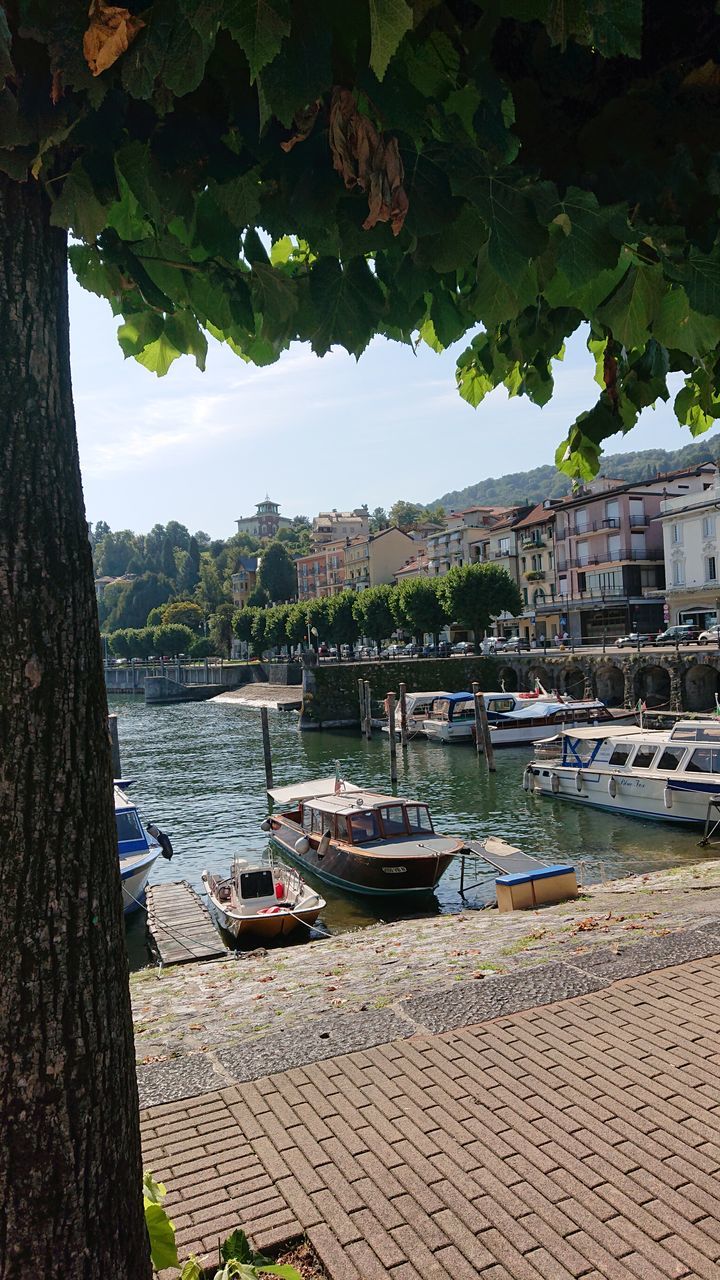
(667, 774)
(264, 899)
(136, 852)
(513, 718)
(418, 707)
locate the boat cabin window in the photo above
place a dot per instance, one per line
(704, 760)
(393, 820)
(501, 705)
(364, 827)
(419, 820)
(318, 822)
(307, 819)
(128, 826)
(464, 711)
(256, 884)
(440, 709)
(644, 757)
(670, 758)
(693, 733)
(620, 755)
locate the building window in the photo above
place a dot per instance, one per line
(708, 528)
(525, 595)
(678, 572)
(676, 533)
(710, 574)
(504, 546)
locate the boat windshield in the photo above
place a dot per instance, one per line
(364, 826)
(128, 826)
(419, 820)
(500, 706)
(704, 760)
(256, 884)
(393, 820)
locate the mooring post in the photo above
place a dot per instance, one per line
(403, 716)
(489, 752)
(479, 740)
(393, 742)
(368, 711)
(114, 746)
(361, 700)
(266, 747)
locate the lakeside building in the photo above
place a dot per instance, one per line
(609, 560)
(330, 526)
(689, 527)
(415, 567)
(535, 534)
(373, 560)
(462, 539)
(266, 521)
(322, 571)
(244, 580)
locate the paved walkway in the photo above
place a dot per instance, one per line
(576, 1139)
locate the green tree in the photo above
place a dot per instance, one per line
(317, 614)
(406, 514)
(142, 642)
(474, 594)
(258, 599)
(242, 622)
(221, 629)
(343, 627)
(373, 613)
(516, 189)
(210, 592)
(259, 631)
(276, 575)
(135, 600)
(114, 553)
(419, 605)
(296, 624)
(155, 617)
(276, 625)
(172, 639)
(202, 647)
(119, 642)
(379, 520)
(185, 612)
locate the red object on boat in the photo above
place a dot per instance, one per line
(279, 890)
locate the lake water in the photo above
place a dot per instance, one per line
(200, 776)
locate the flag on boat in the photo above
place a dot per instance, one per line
(641, 706)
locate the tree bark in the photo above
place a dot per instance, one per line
(70, 1161)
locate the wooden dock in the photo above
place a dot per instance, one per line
(179, 924)
(503, 857)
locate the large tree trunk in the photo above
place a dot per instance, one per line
(70, 1164)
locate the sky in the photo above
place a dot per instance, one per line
(204, 448)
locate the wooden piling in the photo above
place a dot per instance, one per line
(267, 756)
(114, 746)
(403, 716)
(361, 700)
(479, 740)
(485, 727)
(393, 742)
(368, 711)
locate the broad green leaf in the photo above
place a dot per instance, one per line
(125, 216)
(428, 335)
(183, 332)
(678, 326)
(464, 103)
(259, 27)
(275, 297)
(702, 282)
(516, 237)
(163, 1249)
(282, 1270)
(281, 251)
(432, 65)
(472, 383)
(240, 197)
(493, 301)
(302, 71)
(615, 27)
(77, 208)
(157, 357)
(696, 405)
(635, 304)
(135, 165)
(389, 20)
(137, 332)
(347, 302)
(153, 1192)
(92, 272)
(449, 320)
(236, 1248)
(588, 245)
(192, 1270)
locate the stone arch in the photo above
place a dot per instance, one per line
(701, 682)
(611, 685)
(508, 677)
(536, 671)
(654, 685)
(574, 682)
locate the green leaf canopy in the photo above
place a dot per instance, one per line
(264, 171)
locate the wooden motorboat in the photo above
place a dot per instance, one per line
(263, 899)
(359, 840)
(136, 852)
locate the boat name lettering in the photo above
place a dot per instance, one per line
(394, 870)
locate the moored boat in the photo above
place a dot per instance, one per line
(359, 840)
(513, 718)
(137, 849)
(262, 899)
(666, 774)
(417, 709)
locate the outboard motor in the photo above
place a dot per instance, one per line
(163, 840)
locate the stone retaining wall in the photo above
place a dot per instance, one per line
(330, 692)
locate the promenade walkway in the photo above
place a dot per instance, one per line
(576, 1138)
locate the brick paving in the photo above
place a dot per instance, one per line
(577, 1139)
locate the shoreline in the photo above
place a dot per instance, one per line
(237, 1003)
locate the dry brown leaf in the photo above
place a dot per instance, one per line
(366, 160)
(110, 32)
(56, 89)
(304, 122)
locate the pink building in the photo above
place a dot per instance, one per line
(322, 572)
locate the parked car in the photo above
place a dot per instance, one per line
(365, 652)
(710, 636)
(684, 634)
(411, 650)
(444, 649)
(462, 647)
(393, 651)
(515, 643)
(633, 639)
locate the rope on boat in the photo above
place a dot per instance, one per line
(182, 939)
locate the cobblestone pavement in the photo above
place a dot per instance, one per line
(576, 1139)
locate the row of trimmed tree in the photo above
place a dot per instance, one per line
(469, 596)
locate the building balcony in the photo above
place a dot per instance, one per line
(618, 557)
(535, 575)
(639, 521)
(528, 543)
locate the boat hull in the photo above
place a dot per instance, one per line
(356, 872)
(650, 797)
(134, 875)
(266, 927)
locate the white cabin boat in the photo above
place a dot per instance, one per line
(513, 718)
(264, 899)
(666, 774)
(137, 851)
(418, 707)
